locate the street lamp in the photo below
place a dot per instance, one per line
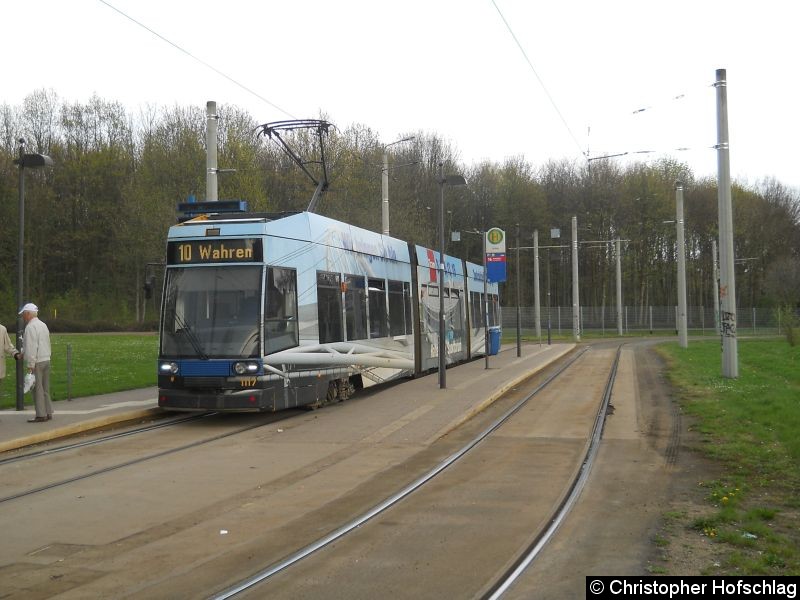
(25, 161)
(451, 180)
(385, 184)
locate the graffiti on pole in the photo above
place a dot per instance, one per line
(728, 324)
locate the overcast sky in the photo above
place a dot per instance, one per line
(445, 66)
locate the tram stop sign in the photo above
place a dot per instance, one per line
(495, 255)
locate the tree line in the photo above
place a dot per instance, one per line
(98, 217)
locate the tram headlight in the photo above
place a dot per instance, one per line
(169, 368)
(243, 368)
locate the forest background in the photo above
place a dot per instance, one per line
(99, 217)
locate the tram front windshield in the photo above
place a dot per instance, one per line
(212, 312)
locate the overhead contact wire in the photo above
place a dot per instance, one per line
(539, 79)
(200, 60)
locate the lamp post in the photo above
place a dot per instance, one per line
(451, 180)
(385, 185)
(29, 161)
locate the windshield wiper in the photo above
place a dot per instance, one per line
(190, 335)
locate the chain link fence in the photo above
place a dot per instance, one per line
(640, 320)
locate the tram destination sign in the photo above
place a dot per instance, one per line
(187, 252)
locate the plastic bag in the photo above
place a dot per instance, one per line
(30, 380)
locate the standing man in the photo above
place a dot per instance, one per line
(6, 347)
(36, 351)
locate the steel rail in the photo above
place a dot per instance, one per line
(528, 555)
(100, 440)
(130, 463)
(392, 500)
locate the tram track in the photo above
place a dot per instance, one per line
(128, 463)
(101, 440)
(529, 554)
(581, 474)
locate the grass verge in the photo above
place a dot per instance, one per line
(99, 364)
(750, 426)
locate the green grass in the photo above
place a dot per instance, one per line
(750, 425)
(100, 364)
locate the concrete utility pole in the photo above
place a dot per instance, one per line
(727, 288)
(715, 275)
(576, 315)
(212, 120)
(683, 336)
(385, 184)
(537, 311)
(619, 286)
(519, 317)
(385, 193)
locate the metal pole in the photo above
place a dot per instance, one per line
(212, 120)
(485, 307)
(537, 312)
(69, 372)
(703, 319)
(519, 317)
(385, 193)
(20, 364)
(549, 305)
(683, 335)
(576, 328)
(730, 358)
(442, 343)
(619, 287)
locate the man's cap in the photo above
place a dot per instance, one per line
(30, 307)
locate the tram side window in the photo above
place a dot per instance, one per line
(455, 318)
(280, 310)
(476, 310)
(355, 307)
(378, 319)
(329, 307)
(397, 316)
(494, 308)
(407, 308)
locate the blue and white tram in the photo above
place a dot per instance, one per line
(262, 313)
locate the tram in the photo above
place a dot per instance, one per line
(263, 312)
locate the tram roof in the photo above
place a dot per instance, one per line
(303, 226)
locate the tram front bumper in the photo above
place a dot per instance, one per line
(253, 400)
